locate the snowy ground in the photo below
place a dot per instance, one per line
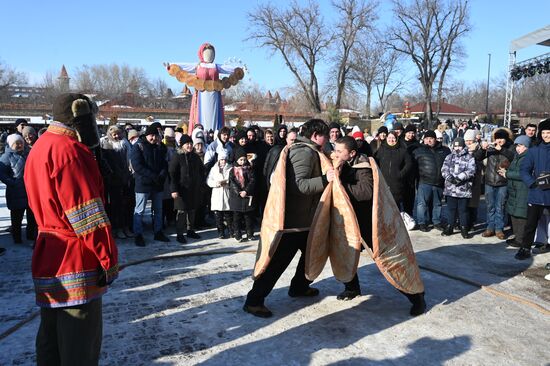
(187, 310)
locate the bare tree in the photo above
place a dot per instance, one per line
(355, 17)
(428, 31)
(365, 63)
(9, 77)
(111, 81)
(386, 81)
(299, 35)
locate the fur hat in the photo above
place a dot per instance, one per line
(185, 138)
(241, 134)
(13, 138)
(383, 129)
(501, 134)
(410, 128)
(113, 128)
(132, 133)
(27, 130)
(523, 140)
(358, 135)
(544, 125)
(68, 106)
(430, 133)
(470, 134)
(151, 130)
(239, 153)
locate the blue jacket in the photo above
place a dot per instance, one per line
(150, 166)
(12, 168)
(536, 162)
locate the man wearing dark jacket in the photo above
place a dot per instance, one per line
(305, 183)
(499, 155)
(409, 188)
(148, 159)
(534, 173)
(429, 159)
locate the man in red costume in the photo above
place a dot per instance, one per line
(75, 256)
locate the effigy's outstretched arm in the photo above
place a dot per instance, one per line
(225, 69)
(186, 66)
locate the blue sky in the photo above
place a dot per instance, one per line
(40, 36)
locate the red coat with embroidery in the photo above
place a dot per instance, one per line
(75, 246)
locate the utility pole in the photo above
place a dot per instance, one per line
(487, 97)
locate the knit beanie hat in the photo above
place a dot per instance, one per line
(19, 121)
(198, 140)
(430, 133)
(132, 133)
(239, 152)
(410, 128)
(185, 139)
(358, 135)
(169, 132)
(383, 129)
(523, 140)
(470, 134)
(151, 130)
(241, 134)
(222, 155)
(333, 125)
(459, 141)
(397, 126)
(27, 130)
(13, 138)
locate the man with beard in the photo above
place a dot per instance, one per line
(75, 256)
(117, 181)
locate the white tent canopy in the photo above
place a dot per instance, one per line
(540, 37)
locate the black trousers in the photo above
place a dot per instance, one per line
(518, 227)
(409, 195)
(16, 217)
(220, 216)
(290, 243)
(248, 222)
(70, 336)
(534, 213)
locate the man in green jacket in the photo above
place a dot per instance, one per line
(305, 183)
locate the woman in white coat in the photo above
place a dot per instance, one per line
(218, 180)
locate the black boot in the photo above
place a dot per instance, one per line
(181, 239)
(448, 231)
(464, 233)
(419, 304)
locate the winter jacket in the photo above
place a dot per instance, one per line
(212, 151)
(119, 173)
(516, 203)
(305, 183)
(536, 162)
(495, 160)
(396, 164)
(458, 170)
(429, 161)
(150, 166)
(478, 177)
(271, 163)
(186, 173)
(12, 168)
(358, 183)
(236, 202)
(218, 180)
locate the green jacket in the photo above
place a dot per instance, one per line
(305, 183)
(516, 205)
